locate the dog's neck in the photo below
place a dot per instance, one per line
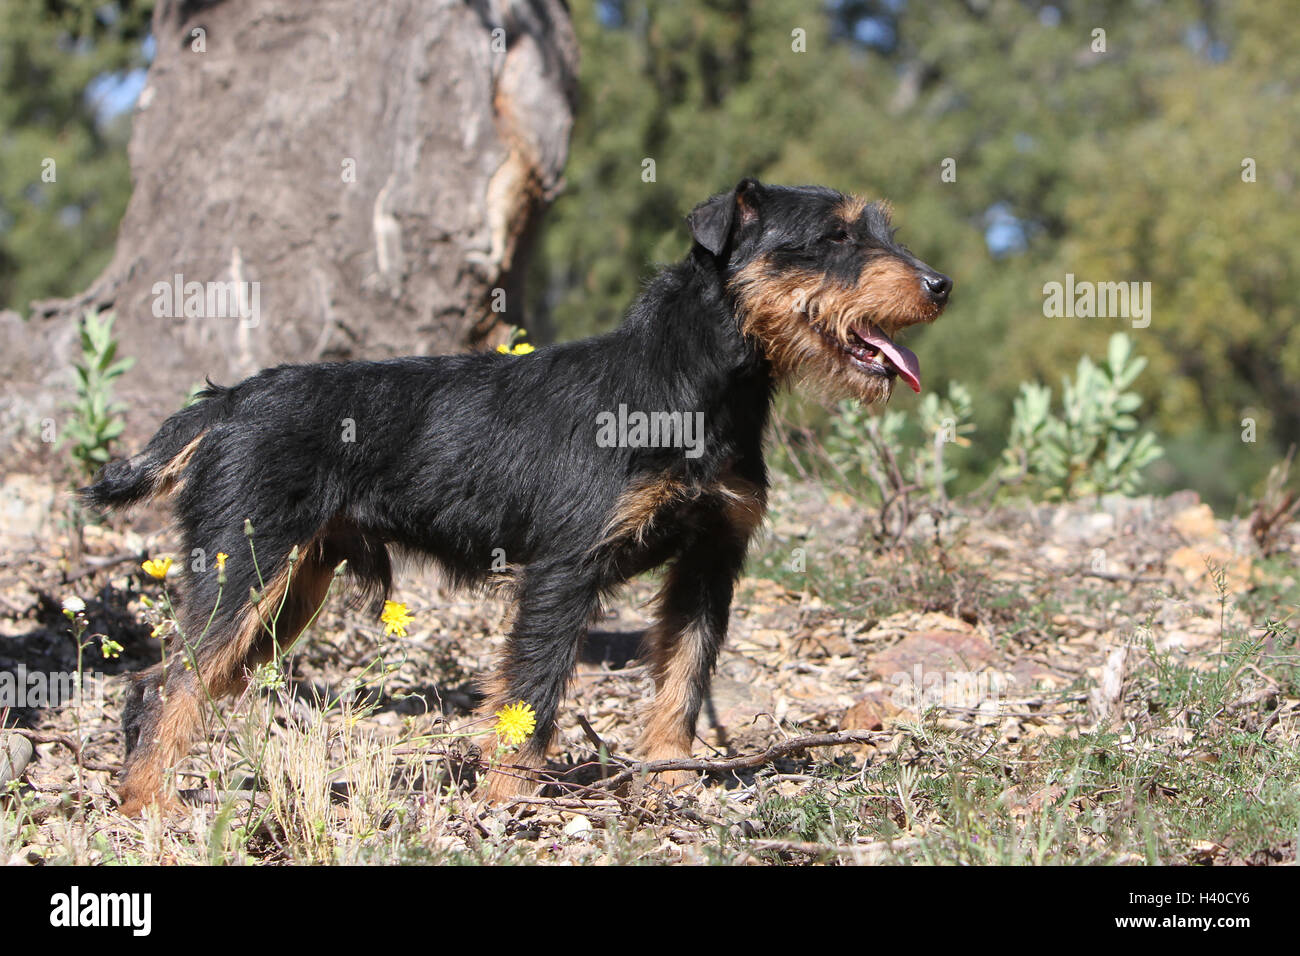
(684, 325)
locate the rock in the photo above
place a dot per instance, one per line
(579, 826)
(934, 651)
(15, 754)
(27, 506)
(941, 668)
(1191, 564)
(869, 713)
(825, 642)
(1196, 523)
(737, 704)
(1106, 697)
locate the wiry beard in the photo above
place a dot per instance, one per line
(807, 324)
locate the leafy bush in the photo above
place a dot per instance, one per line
(895, 457)
(96, 421)
(1092, 447)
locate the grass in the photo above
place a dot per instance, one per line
(1200, 762)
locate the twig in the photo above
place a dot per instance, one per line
(593, 737)
(64, 740)
(801, 846)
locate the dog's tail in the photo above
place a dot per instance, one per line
(155, 471)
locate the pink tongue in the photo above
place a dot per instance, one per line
(903, 359)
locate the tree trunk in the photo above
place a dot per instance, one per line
(344, 179)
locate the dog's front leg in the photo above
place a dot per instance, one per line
(556, 603)
(691, 624)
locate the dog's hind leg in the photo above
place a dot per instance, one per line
(163, 714)
(555, 607)
(166, 705)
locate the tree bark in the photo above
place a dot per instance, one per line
(372, 171)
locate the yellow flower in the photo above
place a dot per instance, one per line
(157, 568)
(515, 344)
(516, 723)
(395, 618)
(221, 560)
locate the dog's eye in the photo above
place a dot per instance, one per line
(837, 235)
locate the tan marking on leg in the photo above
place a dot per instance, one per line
(637, 507)
(507, 775)
(675, 660)
(510, 775)
(675, 646)
(167, 743)
(167, 740)
(307, 583)
(744, 504)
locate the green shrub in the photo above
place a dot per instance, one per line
(96, 421)
(1092, 447)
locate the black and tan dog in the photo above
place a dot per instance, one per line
(467, 458)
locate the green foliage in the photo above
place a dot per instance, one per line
(809, 816)
(946, 421)
(1092, 447)
(64, 177)
(96, 421)
(1117, 166)
(889, 453)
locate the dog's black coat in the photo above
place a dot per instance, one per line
(469, 458)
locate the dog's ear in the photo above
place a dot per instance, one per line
(713, 221)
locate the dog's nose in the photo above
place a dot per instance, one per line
(937, 286)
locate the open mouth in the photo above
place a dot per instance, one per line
(876, 353)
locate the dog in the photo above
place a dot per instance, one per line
(468, 458)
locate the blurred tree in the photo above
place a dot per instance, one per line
(64, 179)
(1114, 155)
(319, 179)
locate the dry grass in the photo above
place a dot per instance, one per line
(1186, 751)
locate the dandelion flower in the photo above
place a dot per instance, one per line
(395, 618)
(74, 605)
(516, 723)
(221, 560)
(515, 344)
(157, 568)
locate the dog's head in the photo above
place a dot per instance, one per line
(819, 282)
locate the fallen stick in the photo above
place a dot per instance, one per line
(36, 737)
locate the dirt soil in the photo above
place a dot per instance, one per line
(997, 633)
